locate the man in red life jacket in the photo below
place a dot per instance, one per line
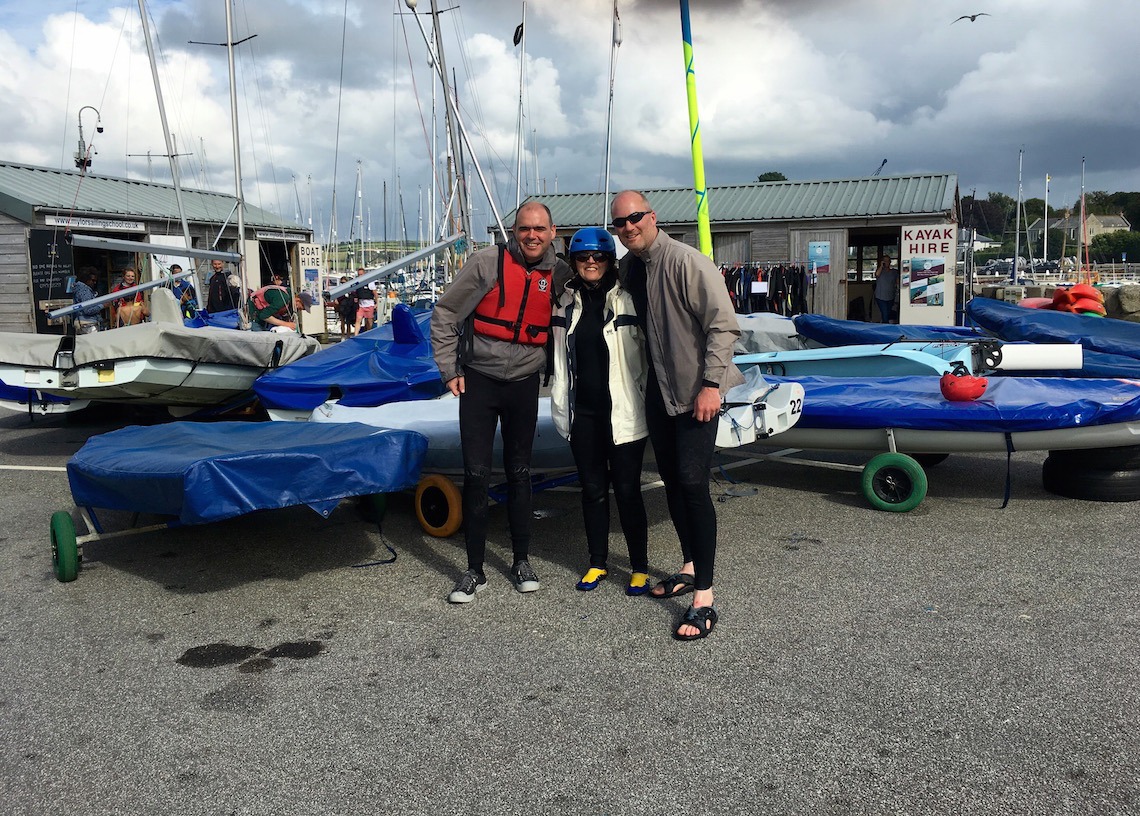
(271, 307)
(488, 333)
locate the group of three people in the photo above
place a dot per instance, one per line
(642, 350)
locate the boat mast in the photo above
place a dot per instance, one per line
(704, 232)
(450, 116)
(456, 128)
(615, 44)
(1045, 231)
(170, 152)
(237, 154)
(520, 40)
(1017, 221)
(1084, 248)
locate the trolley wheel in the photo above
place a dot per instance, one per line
(64, 550)
(439, 505)
(894, 482)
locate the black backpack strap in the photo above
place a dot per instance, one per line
(499, 274)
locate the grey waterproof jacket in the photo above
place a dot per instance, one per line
(692, 326)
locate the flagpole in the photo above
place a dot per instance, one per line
(704, 233)
(520, 37)
(614, 45)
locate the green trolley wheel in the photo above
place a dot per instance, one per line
(64, 549)
(894, 482)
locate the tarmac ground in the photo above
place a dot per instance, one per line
(957, 659)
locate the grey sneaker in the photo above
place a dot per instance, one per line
(467, 586)
(523, 577)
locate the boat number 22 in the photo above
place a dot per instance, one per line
(797, 406)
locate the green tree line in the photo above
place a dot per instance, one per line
(994, 217)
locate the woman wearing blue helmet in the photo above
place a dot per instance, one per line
(598, 401)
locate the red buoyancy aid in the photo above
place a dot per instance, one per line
(260, 301)
(517, 309)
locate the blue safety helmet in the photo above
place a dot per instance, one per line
(592, 238)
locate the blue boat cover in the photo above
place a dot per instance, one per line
(831, 332)
(1111, 347)
(219, 320)
(203, 472)
(1010, 404)
(387, 364)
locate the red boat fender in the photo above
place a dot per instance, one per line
(1084, 290)
(962, 387)
(1063, 300)
(1036, 303)
(1083, 304)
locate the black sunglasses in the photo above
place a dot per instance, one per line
(597, 257)
(632, 218)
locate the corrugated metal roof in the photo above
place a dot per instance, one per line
(873, 196)
(23, 187)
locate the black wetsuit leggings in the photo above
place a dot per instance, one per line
(488, 402)
(684, 448)
(600, 462)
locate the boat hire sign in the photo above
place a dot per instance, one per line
(927, 256)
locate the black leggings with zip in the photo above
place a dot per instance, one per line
(513, 405)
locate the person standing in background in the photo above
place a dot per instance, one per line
(886, 287)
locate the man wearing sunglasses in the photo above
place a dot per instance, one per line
(489, 331)
(690, 328)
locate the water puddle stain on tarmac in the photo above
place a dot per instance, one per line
(252, 659)
(213, 655)
(297, 650)
(256, 665)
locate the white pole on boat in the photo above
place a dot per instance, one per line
(1084, 248)
(170, 152)
(1045, 231)
(237, 154)
(520, 40)
(615, 44)
(360, 208)
(1017, 221)
(455, 126)
(433, 221)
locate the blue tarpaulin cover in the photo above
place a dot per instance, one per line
(832, 332)
(387, 364)
(203, 472)
(1111, 347)
(1010, 404)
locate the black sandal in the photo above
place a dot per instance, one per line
(703, 618)
(676, 584)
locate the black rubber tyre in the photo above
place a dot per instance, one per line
(1062, 479)
(439, 506)
(930, 459)
(1126, 457)
(894, 482)
(64, 550)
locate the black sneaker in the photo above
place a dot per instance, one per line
(467, 586)
(523, 577)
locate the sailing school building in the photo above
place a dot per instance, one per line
(835, 229)
(42, 208)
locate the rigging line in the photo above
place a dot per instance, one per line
(419, 107)
(477, 105)
(266, 130)
(339, 97)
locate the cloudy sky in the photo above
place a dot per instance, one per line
(812, 88)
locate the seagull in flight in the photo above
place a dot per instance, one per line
(972, 17)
